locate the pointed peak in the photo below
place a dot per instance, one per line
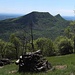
(58, 15)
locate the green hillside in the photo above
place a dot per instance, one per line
(43, 24)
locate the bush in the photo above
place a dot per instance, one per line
(46, 45)
(65, 46)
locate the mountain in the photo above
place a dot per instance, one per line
(59, 17)
(43, 24)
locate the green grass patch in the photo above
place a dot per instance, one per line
(68, 60)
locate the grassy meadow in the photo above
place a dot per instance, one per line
(62, 65)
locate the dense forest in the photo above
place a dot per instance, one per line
(44, 25)
(53, 35)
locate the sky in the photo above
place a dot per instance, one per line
(54, 7)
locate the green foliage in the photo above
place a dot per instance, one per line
(68, 32)
(7, 50)
(44, 25)
(73, 32)
(17, 44)
(46, 45)
(2, 48)
(65, 46)
(10, 51)
(58, 16)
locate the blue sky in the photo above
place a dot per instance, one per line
(62, 7)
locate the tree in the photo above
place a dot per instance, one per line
(17, 44)
(46, 45)
(56, 44)
(68, 32)
(7, 49)
(73, 28)
(2, 48)
(65, 46)
(10, 50)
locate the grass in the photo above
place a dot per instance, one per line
(68, 60)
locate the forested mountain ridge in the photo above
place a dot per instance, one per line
(58, 16)
(43, 24)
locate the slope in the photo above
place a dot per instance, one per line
(43, 24)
